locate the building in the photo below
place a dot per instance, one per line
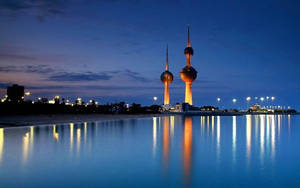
(188, 74)
(166, 78)
(15, 93)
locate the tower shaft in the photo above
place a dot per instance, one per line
(188, 60)
(167, 94)
(188, 93)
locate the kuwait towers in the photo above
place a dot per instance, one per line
(167, 78)
(188, 74)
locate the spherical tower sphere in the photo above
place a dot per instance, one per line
(189, 51)
(166, 77)
(188, 74)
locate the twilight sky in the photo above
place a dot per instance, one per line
(114, 50)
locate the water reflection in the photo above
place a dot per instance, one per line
(262, 136)
(1, 143)
(248, 135)
(71, 136)
(218, 137)
(55, 134)
(178, 143)
(154, 135)
(78, 135)
(234, 138)
(166, 142)
(28, 139)
(187, 148)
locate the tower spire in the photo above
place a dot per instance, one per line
(189, 40)
(167, 59)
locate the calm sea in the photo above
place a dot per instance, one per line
(174, 151)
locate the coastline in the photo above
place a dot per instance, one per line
(7, 121)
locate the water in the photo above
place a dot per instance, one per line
(176, 151)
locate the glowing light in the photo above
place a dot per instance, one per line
(27, 93)
(267, 97)
(51, 101)
(155, 98)
(218, 99)
(248, 99)
(234, 100)
(262, 99)
(56, 97)
(272, 98)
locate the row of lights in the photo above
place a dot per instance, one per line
(262, 99)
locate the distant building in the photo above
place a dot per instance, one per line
(15, 93)
(255, 107)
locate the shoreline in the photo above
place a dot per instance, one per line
(7, 121)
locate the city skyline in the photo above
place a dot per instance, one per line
(82, 50)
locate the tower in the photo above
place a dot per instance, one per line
(167, 78)
(188, 74)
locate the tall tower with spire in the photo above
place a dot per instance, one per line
(188, 74)
(167, 78)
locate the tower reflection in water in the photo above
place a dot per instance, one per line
(166, 142)
(247, 132)
(187, 148)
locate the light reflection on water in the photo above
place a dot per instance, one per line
(158, 151)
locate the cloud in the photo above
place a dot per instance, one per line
(75, 77)
(38, 8)
(16, 56)
(40, 69)
(135, 76)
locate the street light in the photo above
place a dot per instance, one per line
(234, 100)
(248, 99)
(218, 99)
(262, 99)
(155, 98)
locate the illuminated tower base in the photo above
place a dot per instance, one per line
(167, 94)
(188, 93)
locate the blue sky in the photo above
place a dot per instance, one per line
(115, 50)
